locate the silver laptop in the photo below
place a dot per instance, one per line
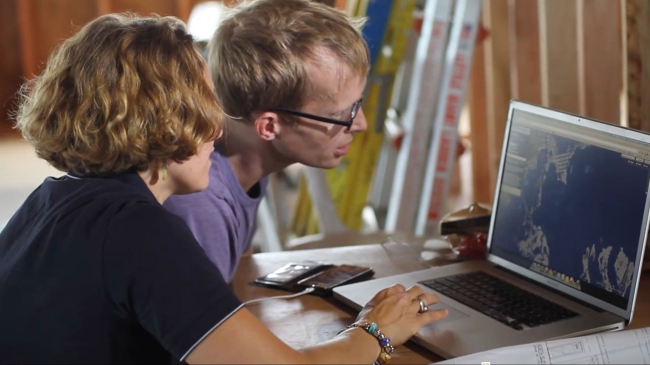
(566, 242)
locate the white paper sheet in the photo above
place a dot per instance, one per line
(624, 347)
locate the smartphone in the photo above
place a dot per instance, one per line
(288, 275)
(334, 276)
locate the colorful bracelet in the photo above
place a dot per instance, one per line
(384, 342)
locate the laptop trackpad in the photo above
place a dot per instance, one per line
(453, 315)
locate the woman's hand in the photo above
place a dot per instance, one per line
(396, 312)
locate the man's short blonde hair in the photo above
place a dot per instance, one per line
(259, 54)
(121, 94)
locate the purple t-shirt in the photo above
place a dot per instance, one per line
(223, 216)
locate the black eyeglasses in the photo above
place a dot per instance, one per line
(348, 123)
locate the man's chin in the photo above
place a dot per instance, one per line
(334, 163)
(327, 165)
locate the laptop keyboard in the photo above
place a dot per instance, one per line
(500, 300)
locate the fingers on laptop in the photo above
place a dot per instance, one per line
(415, 291)
(391, 290)
(427, 298)
(395, 289)
(431, 316)
(430, 298)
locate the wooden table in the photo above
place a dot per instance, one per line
(309, 320)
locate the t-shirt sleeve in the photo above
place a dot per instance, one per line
(157, 274)
(214, 226)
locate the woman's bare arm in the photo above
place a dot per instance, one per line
(243, 339)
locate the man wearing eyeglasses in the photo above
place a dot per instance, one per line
(290, 75)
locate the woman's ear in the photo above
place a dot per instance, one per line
(156, 172)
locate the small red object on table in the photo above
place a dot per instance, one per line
(466, 231)
(472, 246)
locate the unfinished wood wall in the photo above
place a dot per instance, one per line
(10, 62)
(30, 29)
(636, 63)
(588, 57)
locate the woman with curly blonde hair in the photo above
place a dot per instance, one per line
(92, 267)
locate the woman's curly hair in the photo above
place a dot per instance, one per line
(122, 93)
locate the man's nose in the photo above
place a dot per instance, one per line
(359, 124)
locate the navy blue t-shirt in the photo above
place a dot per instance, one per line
(95, 270)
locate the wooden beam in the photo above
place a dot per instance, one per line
(146, 7)
(476, 102)
(600, 75)
(25, 15)
(54, 21)
(103, 7)
(559, 54)
(10, 64)
(525, 79)
(497, 78)
(183, 9)
(637, 63)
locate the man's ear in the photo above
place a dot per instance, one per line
(267, 125)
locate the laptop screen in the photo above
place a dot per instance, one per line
(571, 205)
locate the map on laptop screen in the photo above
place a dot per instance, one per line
(571, 204)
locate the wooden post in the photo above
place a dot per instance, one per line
(103, 7)
(482, 179)
(599, 59)
(637, 63)
(10, 65)
(525, 79)
(25, 16)
(183, 9)
(559, 54)
(497, 78)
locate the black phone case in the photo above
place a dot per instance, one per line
(293, 285)
(327, 291)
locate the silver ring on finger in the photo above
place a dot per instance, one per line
(423, 306)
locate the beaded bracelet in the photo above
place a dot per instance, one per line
(384, 342)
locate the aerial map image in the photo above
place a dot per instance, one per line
(572, 206)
